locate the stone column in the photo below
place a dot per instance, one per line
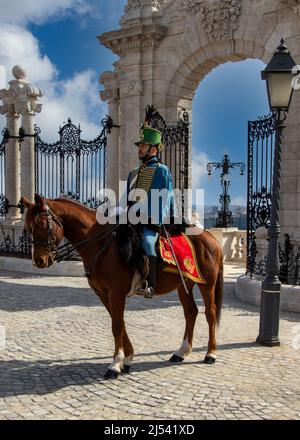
(12, 169)
(135, 43)
(132, 114)
(27, 146)
(20, 98)
(12, 152)
(111, 95)
(113, 145)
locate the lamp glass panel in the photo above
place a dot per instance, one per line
(280, 89)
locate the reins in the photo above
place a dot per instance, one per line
(81, 244)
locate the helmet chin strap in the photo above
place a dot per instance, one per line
(147, 155)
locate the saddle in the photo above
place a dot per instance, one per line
(129, 240)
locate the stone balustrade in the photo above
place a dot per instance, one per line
(233, 243)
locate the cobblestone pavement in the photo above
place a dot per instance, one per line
(59, 344)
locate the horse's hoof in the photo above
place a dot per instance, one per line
(126, 369)
(209, 360)
(175, 358)
(110, 374)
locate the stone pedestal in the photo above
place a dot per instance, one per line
(262, 244)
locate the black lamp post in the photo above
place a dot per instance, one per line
(224, 219)
(278, 75)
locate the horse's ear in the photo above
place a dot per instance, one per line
(24, 201)
(39, 201)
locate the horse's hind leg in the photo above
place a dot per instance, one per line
(190, 313)
(208, 294)
(128, 353)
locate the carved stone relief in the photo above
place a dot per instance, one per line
(219, 17)
(133, 87)
(140, 4)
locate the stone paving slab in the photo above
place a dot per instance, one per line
(59, 345)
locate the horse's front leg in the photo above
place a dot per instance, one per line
(116, 307)
(128, 348)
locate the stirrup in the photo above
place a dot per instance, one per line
(145, 290)
(149, 292)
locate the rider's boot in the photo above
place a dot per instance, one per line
(149, 291)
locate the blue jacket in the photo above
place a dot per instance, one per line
(162, 179)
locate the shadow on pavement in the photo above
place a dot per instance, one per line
(48, 376)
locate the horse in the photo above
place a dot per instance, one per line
(51, 220)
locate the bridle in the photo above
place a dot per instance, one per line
(50, 243)
(59, 253)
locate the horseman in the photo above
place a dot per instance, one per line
(149, 195)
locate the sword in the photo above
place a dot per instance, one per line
(175, 259)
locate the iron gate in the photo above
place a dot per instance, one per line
(261, 138)
(72, 167)
(175, 155)
(261, 143)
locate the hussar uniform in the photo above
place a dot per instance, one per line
(151, 175)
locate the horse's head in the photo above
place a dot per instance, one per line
(46, 230)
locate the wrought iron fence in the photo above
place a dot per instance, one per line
(13, 244)
(289, 263)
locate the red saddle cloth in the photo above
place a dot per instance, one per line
(185, 254)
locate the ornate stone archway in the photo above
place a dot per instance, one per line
(165, 49)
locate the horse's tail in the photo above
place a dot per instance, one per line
(219, 290)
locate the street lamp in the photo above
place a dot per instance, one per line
(278, 75)
(224, 219)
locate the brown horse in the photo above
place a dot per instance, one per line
(50, 220)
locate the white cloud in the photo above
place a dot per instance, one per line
(19, 46)
(76, 97)
(199, 171)
(40, 11)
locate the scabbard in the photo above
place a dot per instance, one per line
(175, 259)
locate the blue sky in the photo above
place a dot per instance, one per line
(56, 43)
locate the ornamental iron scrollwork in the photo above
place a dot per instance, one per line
(15, 247)
(3, 206)
(261, 208)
